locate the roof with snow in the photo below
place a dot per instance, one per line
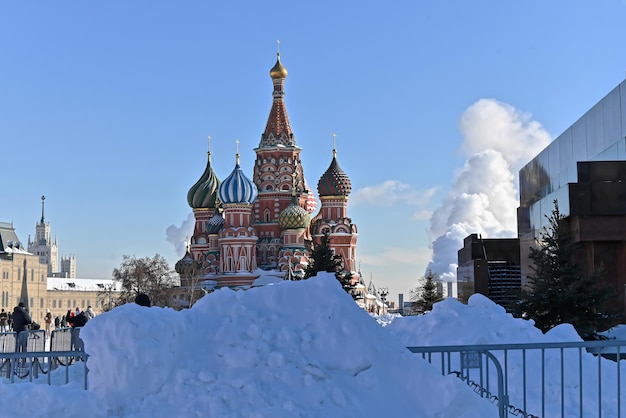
(85, 285)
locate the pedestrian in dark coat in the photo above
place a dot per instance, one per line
(21, 318)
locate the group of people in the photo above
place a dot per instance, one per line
(20, 319)
(77, 318)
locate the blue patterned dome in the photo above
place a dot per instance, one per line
(215, 223)
(237, 188)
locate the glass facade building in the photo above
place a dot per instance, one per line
(599, 135)
(584, 170)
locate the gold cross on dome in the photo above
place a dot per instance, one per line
(209, 139)
(334, 135)
(278, 45)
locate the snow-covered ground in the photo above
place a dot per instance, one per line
(293, 349)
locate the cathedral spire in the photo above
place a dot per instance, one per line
(43, 198)
(278, 128)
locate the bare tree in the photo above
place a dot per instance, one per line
(151, 276)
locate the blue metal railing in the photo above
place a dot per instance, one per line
(540, 379)
(25, 355)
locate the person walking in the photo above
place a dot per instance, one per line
(21, 318)
(57, 322)
(90, 313)
(4, 321)
(48, 321)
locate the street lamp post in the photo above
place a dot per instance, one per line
(383, 292)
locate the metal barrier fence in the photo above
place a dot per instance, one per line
(24, 355)
(540, 379)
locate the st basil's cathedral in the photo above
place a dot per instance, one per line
(244, 227)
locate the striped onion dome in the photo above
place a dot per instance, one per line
(334, 182)
(203, 194)
(237, 188)
(215, 223)
(294, 216)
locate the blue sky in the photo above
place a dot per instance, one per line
(105, 108)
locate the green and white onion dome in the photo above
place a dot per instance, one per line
(203, 194)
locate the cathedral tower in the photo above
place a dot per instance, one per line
(203, 200)
(334, 187)
(237, 238)
(277, 170)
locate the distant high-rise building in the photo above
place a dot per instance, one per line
(43, 245)
(490, 267)
(68, 266)
(48, 249)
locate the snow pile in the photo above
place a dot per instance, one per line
(295, 349)
(482, 322)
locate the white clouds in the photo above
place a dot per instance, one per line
(397, 255)
(178, 237)
(394, 192)
(484, 196)
(391, 192)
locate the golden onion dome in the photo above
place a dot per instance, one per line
(278, 71)
(294, 216)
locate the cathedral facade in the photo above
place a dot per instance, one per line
(268, 221)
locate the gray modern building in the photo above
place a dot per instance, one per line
(584, 169)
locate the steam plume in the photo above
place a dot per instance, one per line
(498, 140)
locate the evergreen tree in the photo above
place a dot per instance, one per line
(323, 259)
(425, 296)
(559, 292)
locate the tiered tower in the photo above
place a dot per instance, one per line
(203, 200)
(43, 246)
(334, 188)
(277, 170)
(237, 238)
